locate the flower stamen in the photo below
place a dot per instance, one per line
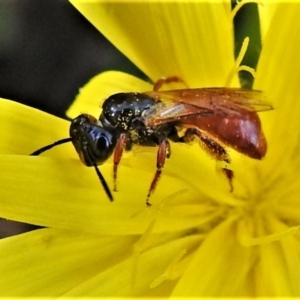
(248, 69)
(241, 4)
(138, 248)
(171, 272)
(249, 241)
(236, 68)
(141, 244)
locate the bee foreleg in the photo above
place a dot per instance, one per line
(121, 144)
(164, 151)
(212, 147)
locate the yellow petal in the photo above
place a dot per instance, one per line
(219, 266)
(266, 12)
(282, 257)
(277, 75)
(26, 129)
(117, 281)
(63, 193)
(50, 262)
(193, 40)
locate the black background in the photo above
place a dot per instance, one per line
(48, 50)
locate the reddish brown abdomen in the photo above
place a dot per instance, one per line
(241, 132)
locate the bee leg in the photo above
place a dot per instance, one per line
(213, 148)
(229, 174)
(121, 144)
(165, 80)
(164, 151)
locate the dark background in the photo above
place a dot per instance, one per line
(48, 50)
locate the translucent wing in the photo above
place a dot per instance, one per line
(175, 105)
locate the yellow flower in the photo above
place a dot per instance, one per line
(198, 239)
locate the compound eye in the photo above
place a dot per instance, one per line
(102, 143)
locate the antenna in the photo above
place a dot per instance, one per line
(104, 184)
(67, 140)
(48, 147)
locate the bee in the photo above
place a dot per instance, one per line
(217, 117)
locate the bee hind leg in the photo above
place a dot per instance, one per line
(212, 147)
